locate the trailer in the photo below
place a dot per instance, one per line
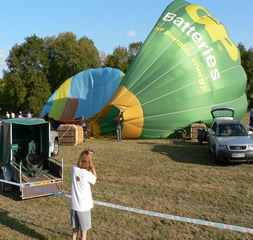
(25, 157)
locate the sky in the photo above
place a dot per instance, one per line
(108, 23)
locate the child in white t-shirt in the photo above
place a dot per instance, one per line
(83, 174)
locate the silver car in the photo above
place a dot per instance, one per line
(228, 140)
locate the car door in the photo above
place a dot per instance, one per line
(212, 136)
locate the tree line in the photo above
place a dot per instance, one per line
(247, 63)
(37, 67)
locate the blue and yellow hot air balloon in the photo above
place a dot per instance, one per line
(84, 94)
(187, 65)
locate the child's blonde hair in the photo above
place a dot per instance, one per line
(85, 160)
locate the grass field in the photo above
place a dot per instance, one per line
(168, 176)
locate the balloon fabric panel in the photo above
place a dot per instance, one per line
(85, 94)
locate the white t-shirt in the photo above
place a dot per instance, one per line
(81, 197)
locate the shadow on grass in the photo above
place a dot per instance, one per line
(184, 151)
(185, 154)
(14, 194)
(188, 152)
(50, 230)
(18, 226)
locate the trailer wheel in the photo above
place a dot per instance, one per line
(56, 148)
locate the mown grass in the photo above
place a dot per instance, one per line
(168, 176)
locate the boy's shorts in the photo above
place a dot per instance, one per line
(81, 219)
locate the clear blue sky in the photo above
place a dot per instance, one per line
(108, 23)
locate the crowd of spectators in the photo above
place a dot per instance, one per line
(24, 114)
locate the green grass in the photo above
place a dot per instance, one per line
(168, 176)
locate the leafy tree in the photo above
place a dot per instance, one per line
(3, 96)
(247, 63)
(121, 55)
(110, 61)
(119, 59)
(89, 55)
(25, 81)
(133, 49)
(68, 56)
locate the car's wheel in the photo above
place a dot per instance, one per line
(56, 148)
(209, 147)
(215, 157)
(2, 185)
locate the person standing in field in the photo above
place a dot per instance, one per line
(250, 121)
(118, 120)
(83, 175)
(7, 115)
(84, 125)
(29, 115)
(20, 115)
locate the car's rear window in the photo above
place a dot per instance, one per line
(222, 113)
(231, 130)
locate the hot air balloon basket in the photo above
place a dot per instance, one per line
(70, 134)
(198, 130)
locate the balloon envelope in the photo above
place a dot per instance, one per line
(84, 94)
(187, 65)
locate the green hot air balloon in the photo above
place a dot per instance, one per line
(187, 65)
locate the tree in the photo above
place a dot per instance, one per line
(89, 55)
(68, 56)
(247, 63)
(119, 59)
(133, 49)
(25, 81)
(3, 96)
(102, 57)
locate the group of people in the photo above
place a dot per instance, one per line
(118, 120)
(19, 115)
(10, 115)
